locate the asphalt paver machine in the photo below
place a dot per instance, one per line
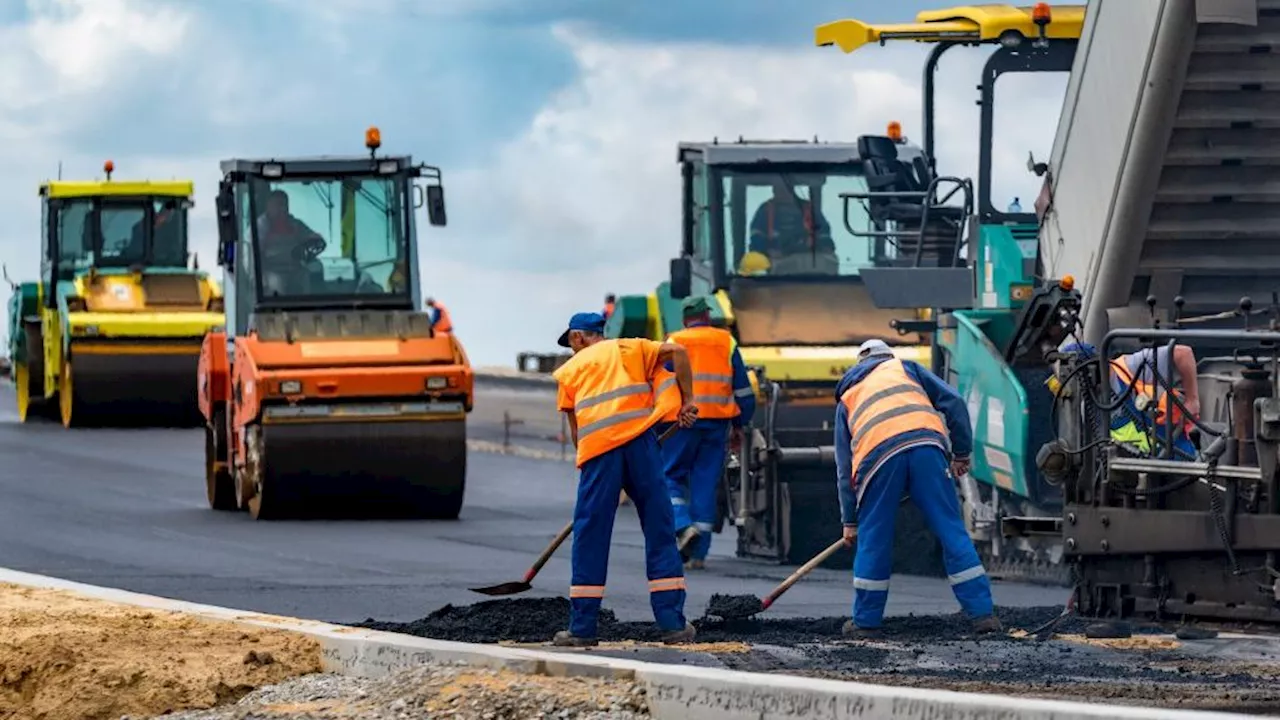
(329, 393)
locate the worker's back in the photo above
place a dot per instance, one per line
(611, 395)
(710, 352)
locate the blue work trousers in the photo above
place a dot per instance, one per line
(694, 460)
(637, 468)
(921, 472)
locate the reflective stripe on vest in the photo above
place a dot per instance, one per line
(711, 358)
(886, 403)
(613, 401)
(1163, 409)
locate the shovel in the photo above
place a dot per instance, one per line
(515, 588)
(741, 607)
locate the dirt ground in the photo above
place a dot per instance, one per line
(66, 657)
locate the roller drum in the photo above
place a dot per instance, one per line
(402, 468)
(135, 388)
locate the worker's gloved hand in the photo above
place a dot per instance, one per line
(688, 414)
(735, 439)
(850, 534)
(960, 467)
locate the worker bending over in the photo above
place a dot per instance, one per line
(607, 394)
(440, 320)
(893, 420)
(1140, 424)
(694, 459)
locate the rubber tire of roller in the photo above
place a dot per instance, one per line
(22, 391)
(220, 489)
(38, 407)
(72, 412)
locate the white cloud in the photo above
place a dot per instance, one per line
(586, 199)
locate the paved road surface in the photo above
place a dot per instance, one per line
(126, 508)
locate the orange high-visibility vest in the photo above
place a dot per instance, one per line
(1164, 409)
(613, 395)
(444, 323)
(883, 405)
(711, 358)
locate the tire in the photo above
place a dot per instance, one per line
(220, 489)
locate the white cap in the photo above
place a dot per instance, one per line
(873, 347)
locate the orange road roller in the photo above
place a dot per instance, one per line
(328, 394)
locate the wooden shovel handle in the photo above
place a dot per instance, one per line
(803, 570)
(563, 535)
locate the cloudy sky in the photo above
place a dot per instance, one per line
(555, 121)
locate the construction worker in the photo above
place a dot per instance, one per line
(1133, 425)
(694, 460)
(440, 320)
(893, 421)
(610, 301)
(606, 391)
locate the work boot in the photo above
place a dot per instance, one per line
(987, 625)
(678, 637)
(564, 638)
(851, 631)
(684, 540)
(696, 564)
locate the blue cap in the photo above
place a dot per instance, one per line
(588, 321)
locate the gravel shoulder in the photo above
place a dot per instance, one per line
(437, 691)
(66, 657)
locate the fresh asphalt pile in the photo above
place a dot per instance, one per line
(936, 651)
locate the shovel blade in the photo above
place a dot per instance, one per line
(734, 607)
(509, 588)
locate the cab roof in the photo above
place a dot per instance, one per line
(746, 152)
(117, 188)
(316, 164)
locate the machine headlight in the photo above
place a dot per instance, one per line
(273, 170)
(437, 383)
(290, 387)
(387, 167)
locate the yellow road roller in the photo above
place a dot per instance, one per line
(111, 331)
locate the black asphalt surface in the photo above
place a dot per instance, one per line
(126, 509)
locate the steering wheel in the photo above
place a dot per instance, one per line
(309, 249)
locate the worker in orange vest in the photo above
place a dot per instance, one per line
(610, 301)
(440, 320)
(606, 391)
(694, 460)
(895, 425)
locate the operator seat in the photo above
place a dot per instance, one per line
(885, 172)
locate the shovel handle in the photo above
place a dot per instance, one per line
(666, 434)
(803, 570)
(563, 535)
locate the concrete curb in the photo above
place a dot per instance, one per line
(675, 692)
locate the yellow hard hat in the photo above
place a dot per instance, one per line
(754, 263)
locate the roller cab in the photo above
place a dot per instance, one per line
(328, 393)
(111, 332)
